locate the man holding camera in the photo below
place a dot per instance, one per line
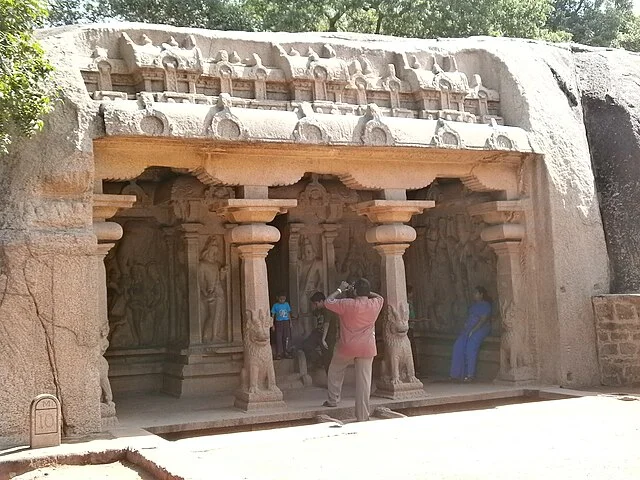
(357, 342)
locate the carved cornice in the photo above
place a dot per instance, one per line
(426, 85)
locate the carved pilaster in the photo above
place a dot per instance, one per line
(294, 265)
(390, 240)
(107, 406)
(191, 238)
(234, 287)
(504, 235)
(329, 234)
(106, 206)
(169, 238)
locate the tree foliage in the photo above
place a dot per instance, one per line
(592, 22)
(24, 71)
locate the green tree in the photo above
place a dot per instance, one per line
(630, 37)
(591, 22)
(211, 14)
(407, 18)
(67, 12)
(24, 71)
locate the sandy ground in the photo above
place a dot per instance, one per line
(110, 471)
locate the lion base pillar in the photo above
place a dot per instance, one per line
(391, 237)
(258, 390)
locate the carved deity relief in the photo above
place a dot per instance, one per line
(137, 289)
(311, 273)
(355, 258)
(212, 275)
(319, 204)
(455, 260)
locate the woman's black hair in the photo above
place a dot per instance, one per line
(483, 291)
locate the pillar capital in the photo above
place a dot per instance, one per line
(106, 206)
(102, 249)
(256, 251)
(254, 233)
(501, 211)
(392, 211)
(388, 249)
(253, 210)
(190, 230)
(505, 232)
(391, 233)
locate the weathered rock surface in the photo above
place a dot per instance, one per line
(610, 97)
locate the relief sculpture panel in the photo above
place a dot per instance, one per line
(449, 259)
(137, 289)
(212, 276)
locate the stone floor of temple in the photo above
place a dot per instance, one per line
(478, 431)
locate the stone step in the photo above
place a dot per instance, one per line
(285, 366)
(291, 381)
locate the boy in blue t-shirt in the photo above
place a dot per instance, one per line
(281, 312)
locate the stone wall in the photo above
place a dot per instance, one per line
(618, 332)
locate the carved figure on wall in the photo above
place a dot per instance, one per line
(514, 351)
(137, 305)
(258, 372)
(137, 287)
(354, 265)
(310, 275)
(212, 275)
(106, 395)
(157, 303)
(397, 366)
(442, 275)
(116, 299)
(215, 195)
(455, 258)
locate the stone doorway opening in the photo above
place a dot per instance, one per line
(444, 264)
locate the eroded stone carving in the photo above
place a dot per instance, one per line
(398, 361)
(456, 259)
(137, 288)
(425, 85)
(310, 273)
(212, 275)
(258, 373)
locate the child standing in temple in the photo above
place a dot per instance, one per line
(281, 312)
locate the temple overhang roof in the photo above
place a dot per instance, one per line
(227, 122)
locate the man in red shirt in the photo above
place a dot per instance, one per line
(357, 342)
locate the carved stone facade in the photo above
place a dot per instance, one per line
(213, 170)
(174, 70)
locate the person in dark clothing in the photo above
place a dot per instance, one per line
(318, 346)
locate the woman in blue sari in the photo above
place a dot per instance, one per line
(476, 329)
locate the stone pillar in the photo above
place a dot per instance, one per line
(390, 239)
(106, 206)
(192, 247)
(504, 235)
(254, 238)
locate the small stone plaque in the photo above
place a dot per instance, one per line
(45, 421)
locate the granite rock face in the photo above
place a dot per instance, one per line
(610, 97)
